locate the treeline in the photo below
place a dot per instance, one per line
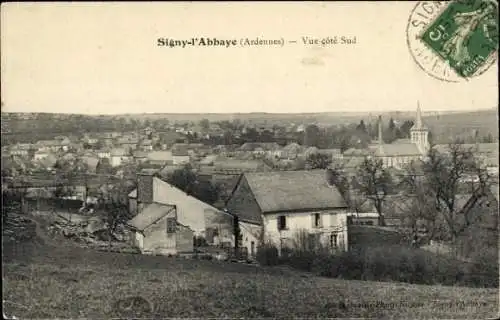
(43, 126)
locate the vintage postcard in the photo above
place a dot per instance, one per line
(247, 160)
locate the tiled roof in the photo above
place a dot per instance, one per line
(405, 140)
(118, 152)
(127, 140)
(352, 152)
(90, 161)
(250, 146)
(209, 159)
(250, 165)
(140, 154)
(160, 156)
(49, 161)
(170, 168)
(49, 143)
(22, 146)
(293, 147)
(180, 153)
(149, 171)
(187, 206)
(352, 162)
(330, 151)
(311, 150)
(400, 149)
(294, 190)
(150, 215)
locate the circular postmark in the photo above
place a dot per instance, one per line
(454, 41)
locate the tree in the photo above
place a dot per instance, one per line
(311, 136)
(404, 130)
(488, 138)
(205, 124)
(338, 178)
(362, 127)
(205, 191)
(113, 205)
(182, 178)
(417, 205)
(66, 174)
(98, 145)
(390, 134)
(374, 182)
(452, 173)
(318, 161)
(187, 180)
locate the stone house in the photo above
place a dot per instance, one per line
(283, 203)
(203, 219)
(156, 230)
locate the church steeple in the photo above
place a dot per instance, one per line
(419, 133)
(418, 120)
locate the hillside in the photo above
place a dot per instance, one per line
(23, 127)
(45, 280)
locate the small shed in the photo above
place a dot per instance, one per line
(155, 230)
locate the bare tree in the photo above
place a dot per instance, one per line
(113, 203)
(338, 177)
(417, 205)
(374, 182)
(456, 172)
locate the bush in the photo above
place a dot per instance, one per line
(267, 255)
(395, 263)
(301, 260)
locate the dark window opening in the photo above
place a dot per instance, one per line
(281, 223)
(333, 240)
(317, 220)
(171, 224)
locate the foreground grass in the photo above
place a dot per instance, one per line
(45, 282)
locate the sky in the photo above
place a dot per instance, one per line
(98, 58)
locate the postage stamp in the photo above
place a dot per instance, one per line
(454, 41)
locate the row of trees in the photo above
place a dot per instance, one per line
(428, 195)
(428, 192)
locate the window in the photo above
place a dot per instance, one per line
(171, 224)
(281, 222)
(333, 240)
(215, 232)
(317, 220)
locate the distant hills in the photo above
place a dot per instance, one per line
(319, 117)
(444, 124)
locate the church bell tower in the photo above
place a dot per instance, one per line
(419, 133)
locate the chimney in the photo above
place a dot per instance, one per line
(476, 139)
(144, 189)
(380, 139)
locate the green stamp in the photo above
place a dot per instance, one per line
(462, 34)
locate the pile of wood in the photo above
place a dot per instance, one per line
(87, 235)
(18, 228)
(76, 231)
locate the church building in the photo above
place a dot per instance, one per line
(403, 151)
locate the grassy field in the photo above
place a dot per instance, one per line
(46, 280)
